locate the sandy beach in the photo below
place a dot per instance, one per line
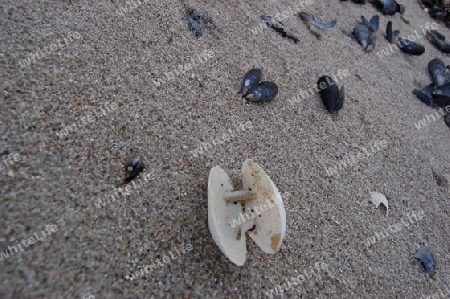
(88, 86)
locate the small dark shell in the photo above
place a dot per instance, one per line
(438, 72)
(426, 256)
(391, 35)
(250, 81)
(311, 19)
(331, 96)
(447, 119)
(388, 7)
(373, 24)
(278, 27)
(194, 17)
(265, 92)
(410, 47)
(132, 169)
(361, 33)
(365, 35)
(438, 40)
(441, 95)
(425, 98)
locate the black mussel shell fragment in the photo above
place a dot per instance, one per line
(373, 24)
(447, 119)
(425, 98)
(132, 168)
(194, 17)
(439, 41)
(388, 7)
(441, 95)
(265, 92)
(278, 27)
(331, 96)
(410, 47)
(391, 35)
(442, 100)
(438, 72)
(250, 81)
(362, 33)
(426, 256)
(311, 19)
(365, 32)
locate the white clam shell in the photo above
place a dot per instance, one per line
(263, 218)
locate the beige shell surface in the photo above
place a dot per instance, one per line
(268, 208)
(231, 241)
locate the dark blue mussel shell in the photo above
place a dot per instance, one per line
(331, 96)
(265, 92)
(388, 7)
(426, 256)
(391, 36)
(439, 41)
(250, 81)
(438, 72)
(405, 45)
(364, 32)
(410, 47)
(438, 92)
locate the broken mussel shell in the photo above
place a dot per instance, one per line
(426, 256)
(438, 92)
(391, 35)
(439, 73)
(447, 119)
(132, 168)
(194, 18)
(388, 7)
(365, 32)
(405, 45)
(438, 40)
(256, 91)
(311, 22)
(378, 198)
(331, 96)
(434, 96)
(278, 27)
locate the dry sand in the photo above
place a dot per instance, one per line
(110, 70)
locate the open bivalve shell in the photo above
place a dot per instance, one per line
(257, 210)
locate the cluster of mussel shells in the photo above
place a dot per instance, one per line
(256, 91)
(438, 9)
(437, 93)
(365, 34)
